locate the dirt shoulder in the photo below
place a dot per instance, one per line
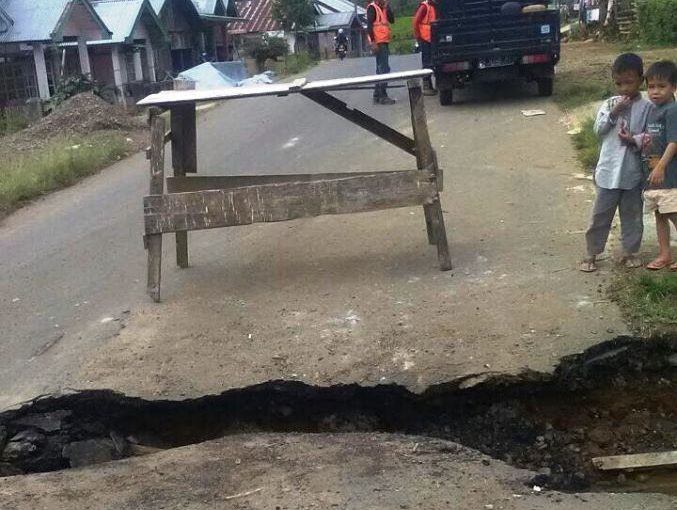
(304, 471)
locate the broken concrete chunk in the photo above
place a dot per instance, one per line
(49, 422)
(90, 451)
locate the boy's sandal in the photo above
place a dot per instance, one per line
(632, 262)
(588, 266)
(658, 264)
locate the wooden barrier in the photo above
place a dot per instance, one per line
(204, 202)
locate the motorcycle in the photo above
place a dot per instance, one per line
(341, 51)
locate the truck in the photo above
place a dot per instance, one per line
(494, 40)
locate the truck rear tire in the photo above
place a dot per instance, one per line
(545, 87)
(446, 97)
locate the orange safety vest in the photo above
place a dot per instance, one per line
(430, 17)
(381, 26)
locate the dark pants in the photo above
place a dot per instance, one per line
(426, 60)
(382, 67)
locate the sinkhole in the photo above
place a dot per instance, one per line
(616, 398)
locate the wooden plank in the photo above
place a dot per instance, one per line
(286, 201)
(157, 174)
(426, 160)
(205, 182)
(636, 461)
(184, 158)
(169, 97)
(363, 120)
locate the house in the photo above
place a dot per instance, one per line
(216, 15)
(127, 59)
(32, 57)
(330, 15)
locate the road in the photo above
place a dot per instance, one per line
(72, 270)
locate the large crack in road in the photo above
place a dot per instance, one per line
(615, 398)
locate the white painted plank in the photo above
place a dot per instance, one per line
(187, 96)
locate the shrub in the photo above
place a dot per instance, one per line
(658, 21)
(297, 63)
(264, 48)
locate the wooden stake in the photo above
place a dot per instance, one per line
(427, 160)
(636, 461)
(157, 175)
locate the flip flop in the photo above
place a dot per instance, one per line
(632, 262)
(588, 266)
(673, 267)
(657, 265)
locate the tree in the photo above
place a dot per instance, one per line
(293, 15)
(264, 48)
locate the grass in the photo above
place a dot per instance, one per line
(11, 122)
(61, 163)
(648, 300)
(296, 63)
(587, 145)
(402, 36)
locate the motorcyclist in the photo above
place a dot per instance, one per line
(340, 39)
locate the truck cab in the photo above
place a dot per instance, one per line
(494, 40)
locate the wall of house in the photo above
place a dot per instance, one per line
(82, 23)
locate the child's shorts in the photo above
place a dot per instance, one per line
(662, 200)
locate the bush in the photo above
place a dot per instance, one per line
(265, 48)
(402, 36)
(658, 21)
(11, 122)
(69, 87)
(297, 63)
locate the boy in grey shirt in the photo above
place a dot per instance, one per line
(619, 177)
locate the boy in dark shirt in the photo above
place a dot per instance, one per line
(660, 142)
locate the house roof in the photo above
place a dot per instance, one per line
(259, 18)
(332, 21)
(216, 10)
(122, 16)
(329, 6)
(40, 21)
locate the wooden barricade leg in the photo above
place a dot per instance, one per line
(184, 157)
(426, 160)
(157, 176)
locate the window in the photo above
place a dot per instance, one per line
(17, 79)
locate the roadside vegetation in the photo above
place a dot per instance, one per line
(402, 35)
(61, 163)
(648, 300)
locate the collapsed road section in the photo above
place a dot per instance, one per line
(571, 426)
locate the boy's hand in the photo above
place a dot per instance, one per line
(621, 105)
(626, 137)
(657, 175)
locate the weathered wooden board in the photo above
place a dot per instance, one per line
(167, 97)
(154, 242)
(363, 120)
(286, 201)
(636, 461)
(205, 182)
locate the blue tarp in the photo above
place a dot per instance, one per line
(216, 75)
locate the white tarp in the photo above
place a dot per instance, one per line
(218, 75)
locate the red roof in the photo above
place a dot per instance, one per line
(258, 17)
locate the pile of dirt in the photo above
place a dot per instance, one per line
(82, 114)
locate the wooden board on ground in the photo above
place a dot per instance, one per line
(636, 461)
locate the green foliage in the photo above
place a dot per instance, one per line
(649, 301)
(658, 21)
(264, 48)
(404, 7)
(402, 35)
(297, 63)
(11, 122)
(61, 163)
(293, 15)
(69, 87)
(587, 145)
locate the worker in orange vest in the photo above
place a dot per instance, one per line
(424, 18)
(379, 18)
